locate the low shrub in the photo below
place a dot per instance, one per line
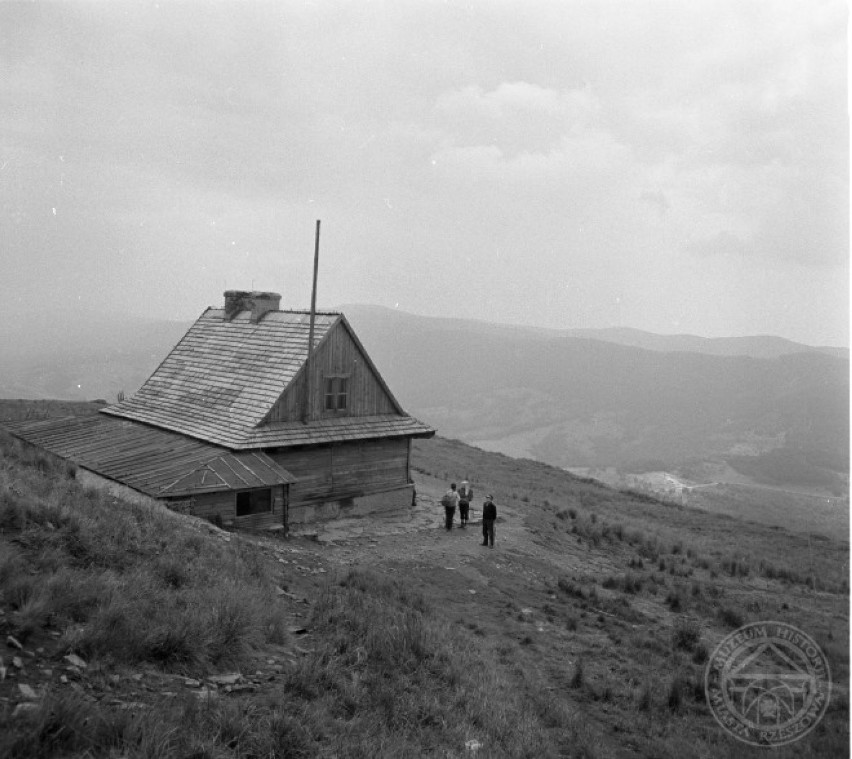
(736, 567)
(685, 634)
(730, 617)
(577, 677)
(678, 687)
(675, 601)
(700, 654)
(644, 701)
(626, 583)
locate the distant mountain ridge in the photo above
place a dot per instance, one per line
(756, 346)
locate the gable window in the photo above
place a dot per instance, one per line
(336, 393)
(254, 502)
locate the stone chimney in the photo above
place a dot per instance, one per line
(258, 303)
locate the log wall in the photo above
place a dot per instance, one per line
(345, 470)
(394, 502)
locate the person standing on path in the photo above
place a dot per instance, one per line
(465, 497)
(489, 517)
(449, 502)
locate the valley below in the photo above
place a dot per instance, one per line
(795, 509)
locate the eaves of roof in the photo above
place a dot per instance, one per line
(153, 461)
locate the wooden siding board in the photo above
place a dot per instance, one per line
(343, 470)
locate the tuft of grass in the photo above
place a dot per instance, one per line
(736, 567)
(676, 693)
(627, 583)
(700, 654)
(577, 677)
(731, 617)
(675, 601)
(644, 701)
(686, 634)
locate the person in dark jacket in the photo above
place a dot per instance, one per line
(489, 517)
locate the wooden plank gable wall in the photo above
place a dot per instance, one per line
(337, 355)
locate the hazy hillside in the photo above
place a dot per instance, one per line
(756, 346)
(582, 402)
(81, 355)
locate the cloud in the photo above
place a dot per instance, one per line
(515, 116)
(535, 151)
(656, 199)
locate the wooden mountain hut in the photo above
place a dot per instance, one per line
(239, 423)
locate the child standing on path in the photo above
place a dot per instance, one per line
(489, 517)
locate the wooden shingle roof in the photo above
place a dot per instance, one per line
(153, 461)
(222, 379)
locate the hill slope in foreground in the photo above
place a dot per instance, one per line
(137, 632)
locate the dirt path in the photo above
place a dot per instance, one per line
(420, 536)
(523, 560)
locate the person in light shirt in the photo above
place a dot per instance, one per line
(450, 501)
(465, 497)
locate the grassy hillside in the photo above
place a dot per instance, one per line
(142, 633)
(114, 611)
(16, 409)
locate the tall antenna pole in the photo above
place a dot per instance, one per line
(308, 383)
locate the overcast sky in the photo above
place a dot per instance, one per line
(675, 166)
